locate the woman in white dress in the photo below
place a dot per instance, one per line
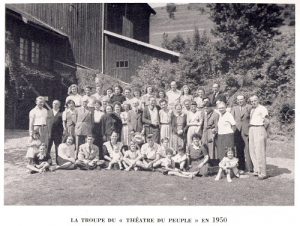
(194, 122)
(165, 119)
(124, 118)
(74, 95)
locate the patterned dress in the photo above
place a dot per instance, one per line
(165, 123)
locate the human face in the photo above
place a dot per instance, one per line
(135, 104)
(196, 141)
(117, 90)
(161, 94)
(240, 100)
(163, 105)
(56, 105)
(215, 88)
(114, 138)
(187, 105)
(108, 109)
(136, 94)
(132, 147)
(230, 154)
(150, 141)
(149, 90)
(69, 140)
(71, 105)
(85, 103)
(126, 107)
(90, 140)
(74, 90)
(254, 102)
(178, 109)
(165, 143)
(40, 103)
(97, 106)
(193, 108)
(173, 86)
(127, 93)
(200, 93)
(186, 90)
(152, 101)
(117, 109)
(108, 92)
(42, 149)
(169, 155)
(88, 91)
(222, 108)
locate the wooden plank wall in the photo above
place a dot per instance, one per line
(82, 22)
(118, 50)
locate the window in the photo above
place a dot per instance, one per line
(122, 64)
(24, 47)
(35, 52)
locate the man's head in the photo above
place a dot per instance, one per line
(254, 101)
(240, 100)
(88, 90)
(173, 85)
(127, 92)
(152, 101)
(98, 90)
(118, 89)
(56, 105)
(215, 87)
(150, 139)
(40, 101)
(221, 107)
(90, 139)
(85, 101)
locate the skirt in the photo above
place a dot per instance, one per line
(125, 135)
(165, 131)
(224, 141)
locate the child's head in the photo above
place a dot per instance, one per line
(165, 142)
(229, 153)
(43, 148)
(181, 151)
(133, 146)
(169, 153)
(196, 139)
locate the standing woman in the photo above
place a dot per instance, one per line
(194, 122)
(185, 94)
(74, 95)
(178, 124)
(124, 117)
(146, 97)
(108, 93)
(69, 118)
(226, 128)
(200, 98)
(98, 114)
(165, 119)
(161, 96)
(137, 95)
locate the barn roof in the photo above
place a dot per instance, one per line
(141, 43)
(151, 9)
(31, 20)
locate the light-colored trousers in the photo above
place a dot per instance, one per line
(257, 148)
(44, 133)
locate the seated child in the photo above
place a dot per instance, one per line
(116, 157)
(166, 162)
(164, 144)
(132, 157)
(180, 159)
(228, 165)
(38, 159)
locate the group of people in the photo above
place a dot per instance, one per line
(175, 132)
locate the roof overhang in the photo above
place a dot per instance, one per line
(122, 37)
(151, 9)
(33, 21)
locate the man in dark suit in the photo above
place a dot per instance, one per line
(151, 120)
(55, 127)
(134, 119)
(216, 95)
(241, 114)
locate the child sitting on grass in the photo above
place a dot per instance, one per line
(169, 168)
(115, 158)
(228, 165)
(180, 159)
(38, 161)
(132, 157)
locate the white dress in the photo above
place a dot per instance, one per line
(194, 121)
(125, 132)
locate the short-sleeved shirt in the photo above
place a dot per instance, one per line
(132, 154)
(197, 152)
(258, 115)
(226, 121)
(173, 97)
(150, 152)
(38, 116)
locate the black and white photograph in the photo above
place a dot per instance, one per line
(149, 104)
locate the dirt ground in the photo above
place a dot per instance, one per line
(102, 187)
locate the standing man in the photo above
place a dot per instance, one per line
(216, 95)
(151, 120)
(84, 122)
(91, 99)
(259, 123)
(55, 127)
(241, 115)
(38, 120)
(173, 95)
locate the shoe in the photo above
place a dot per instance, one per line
(262, 177)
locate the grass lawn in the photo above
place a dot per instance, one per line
(102, 187)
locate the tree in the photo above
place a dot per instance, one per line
(244, 31)
(171, 9)
(196, 39)
(176, 44)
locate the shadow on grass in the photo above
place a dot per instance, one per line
(274, 171)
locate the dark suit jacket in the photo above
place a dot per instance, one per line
(214, 98)
(55, 124)
(147, 118)
(134, 121)
(242, 118)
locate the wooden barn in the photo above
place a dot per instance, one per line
(49, 45)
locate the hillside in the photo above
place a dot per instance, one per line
(189, 16)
